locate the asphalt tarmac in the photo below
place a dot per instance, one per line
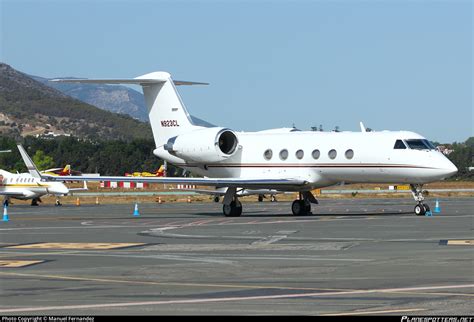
(351, 257)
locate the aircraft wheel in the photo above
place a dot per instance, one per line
(300, 208)
(216, 199)
(420, 209)
(232, 210)
(260, 198)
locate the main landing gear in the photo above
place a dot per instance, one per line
(232, 206)
(302, 206)
(34, 201)
(421, 208)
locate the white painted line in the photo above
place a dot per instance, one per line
(373, 312)
(268, 240)
(226, 299)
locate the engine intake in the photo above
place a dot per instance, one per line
(206, 145)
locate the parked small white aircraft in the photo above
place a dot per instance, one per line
(30, 185)
(283, 160)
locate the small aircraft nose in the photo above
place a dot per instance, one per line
(59, 190)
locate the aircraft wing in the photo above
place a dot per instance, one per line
(20, 193)
(279, 184)
(79, 189)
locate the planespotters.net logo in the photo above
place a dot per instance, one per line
(437, 319)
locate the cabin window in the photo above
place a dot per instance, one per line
(299, 154)
(332, 154)
(316, 154)
(349, 154)
(268, 154)
(399, 145)
(284, 154)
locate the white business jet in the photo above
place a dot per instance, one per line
(32, 185)
(283, 160)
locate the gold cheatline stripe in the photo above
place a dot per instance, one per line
(29, 185)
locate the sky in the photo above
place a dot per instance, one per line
(395, 65)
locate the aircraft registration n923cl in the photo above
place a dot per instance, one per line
(277, 159)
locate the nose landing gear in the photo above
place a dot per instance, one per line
(421, 208)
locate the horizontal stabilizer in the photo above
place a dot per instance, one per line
(142, 80)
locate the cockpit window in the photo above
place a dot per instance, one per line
(432, 147)
(418, 144)
(399, 145)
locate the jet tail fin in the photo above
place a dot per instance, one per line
(167, 113)
(29, 163)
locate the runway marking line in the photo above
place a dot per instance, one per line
(459, 242)
(14, 263)
(82, 246)
(373, 312)
(226, 299)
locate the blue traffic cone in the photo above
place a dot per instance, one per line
(5, 213)
(437, 207)
(135, 212)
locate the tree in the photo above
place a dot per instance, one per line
(42, 161)
(470, 142)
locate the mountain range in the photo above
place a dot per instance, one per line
(29, 107)
(113, 98)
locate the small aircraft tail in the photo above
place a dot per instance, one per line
(66, 171)
(29, 163)
(168, 115)
(160, 172)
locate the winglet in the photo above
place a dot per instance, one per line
(29, 163)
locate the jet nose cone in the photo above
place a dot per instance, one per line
(452, 170)
(59, 190)
(448, 169)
